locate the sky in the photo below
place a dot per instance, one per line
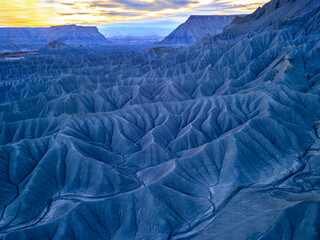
(116, 14)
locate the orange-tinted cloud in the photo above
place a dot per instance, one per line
(25, 13)
(56, 12)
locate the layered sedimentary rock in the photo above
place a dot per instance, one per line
(217, 141)
(197, 27)
(67, 34)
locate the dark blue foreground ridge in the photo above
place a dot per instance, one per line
(219, 140)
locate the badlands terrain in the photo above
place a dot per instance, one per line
(219, 140)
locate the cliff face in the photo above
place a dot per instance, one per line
(274, 13)
(68, 34)
(196, 27)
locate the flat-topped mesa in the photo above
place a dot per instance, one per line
(67, 26)
(77, 35)
(208, 17)
(74, 27)
(197, 27)
(67, 34)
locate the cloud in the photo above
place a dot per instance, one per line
(54, 12)
(156, 5)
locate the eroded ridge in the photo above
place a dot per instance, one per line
(212, 141)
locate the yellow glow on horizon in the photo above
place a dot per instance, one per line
(24, 12)
(54, 12)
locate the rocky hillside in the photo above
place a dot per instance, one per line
(197, 27)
